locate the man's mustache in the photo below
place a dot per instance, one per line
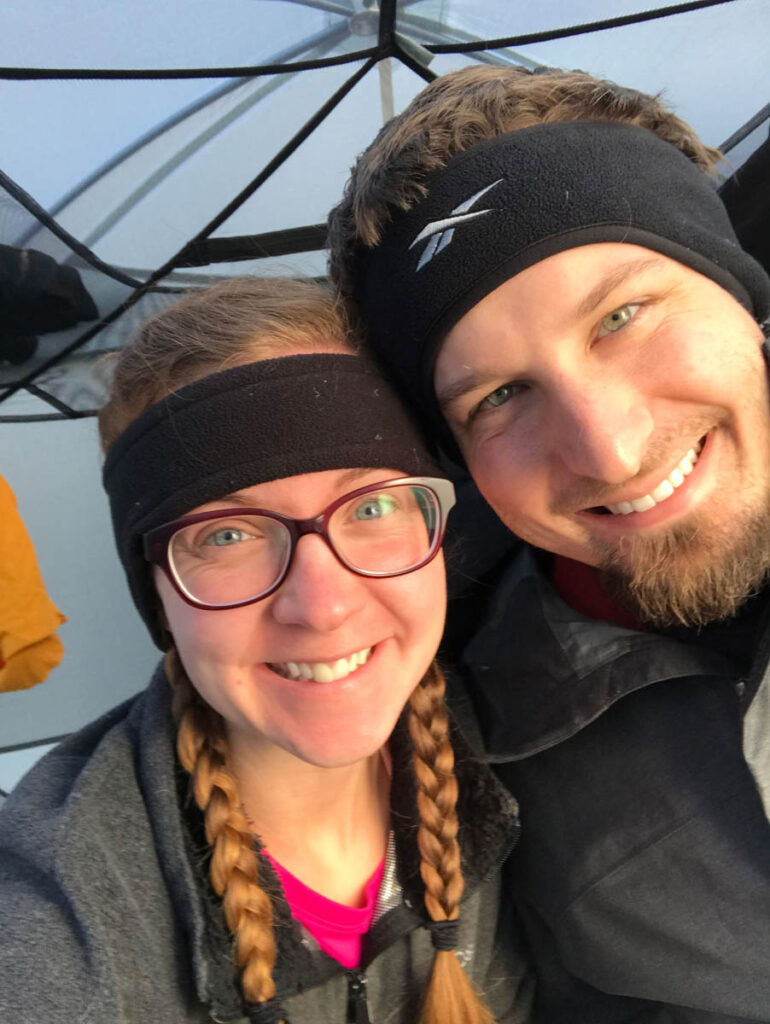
(664, 451)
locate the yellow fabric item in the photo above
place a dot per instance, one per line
(28, 618)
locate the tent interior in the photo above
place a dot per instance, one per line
(151, 148)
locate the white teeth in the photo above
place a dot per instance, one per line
(643, 504)
(322, 671)
(664, 489)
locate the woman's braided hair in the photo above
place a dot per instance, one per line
(231, 323)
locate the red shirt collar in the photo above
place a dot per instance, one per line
(579, 585)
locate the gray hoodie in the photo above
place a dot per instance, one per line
(106, 913)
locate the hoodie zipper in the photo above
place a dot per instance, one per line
(358, 1007)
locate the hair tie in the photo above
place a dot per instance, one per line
(268, 1012)
(444, 934)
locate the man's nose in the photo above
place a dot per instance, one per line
(318, 593)
(602, 430)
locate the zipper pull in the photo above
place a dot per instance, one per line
(358, 1007)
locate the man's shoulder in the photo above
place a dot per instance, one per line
(540, 671)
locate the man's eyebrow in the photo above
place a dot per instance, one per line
(471, 380)
(613, 280)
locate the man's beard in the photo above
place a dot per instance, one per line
(692, 574)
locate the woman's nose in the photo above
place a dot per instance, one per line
(318, 593)
(603, 431)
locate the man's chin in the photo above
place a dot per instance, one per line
(689, 576)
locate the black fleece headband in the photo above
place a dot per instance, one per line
(248, 425)
(516, 199)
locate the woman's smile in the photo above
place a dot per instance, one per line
(326, 671)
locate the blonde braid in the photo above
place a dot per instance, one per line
(202, 749)
(450, 997)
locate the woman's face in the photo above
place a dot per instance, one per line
(239, 658)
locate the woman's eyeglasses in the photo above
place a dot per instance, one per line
(235, 556)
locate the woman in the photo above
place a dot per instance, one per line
(279, 521)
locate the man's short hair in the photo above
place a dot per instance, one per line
(463, 108)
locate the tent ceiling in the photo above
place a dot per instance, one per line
(154, 146)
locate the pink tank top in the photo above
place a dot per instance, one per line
(337, 928)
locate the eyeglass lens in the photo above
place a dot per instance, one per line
(237, 557)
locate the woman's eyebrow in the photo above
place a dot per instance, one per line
(614, 279)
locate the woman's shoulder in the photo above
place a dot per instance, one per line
(86, 779)
(80, 875)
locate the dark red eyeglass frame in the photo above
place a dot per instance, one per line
(157, 542)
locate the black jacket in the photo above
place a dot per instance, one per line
(643, 870)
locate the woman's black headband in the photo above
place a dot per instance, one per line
(248, 425)
(509, 202)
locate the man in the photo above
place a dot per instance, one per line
(544, 267)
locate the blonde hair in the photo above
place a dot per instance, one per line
(465, 107)
(234, 322)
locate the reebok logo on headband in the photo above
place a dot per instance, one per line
(441, 232)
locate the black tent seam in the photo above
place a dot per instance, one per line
(419, 28)
(48, 417)
(32, 206)
(575, 30)
(425, 73)
(45, 396)
(141, 74)
(280, 158)
(33, 743)
(745, 129)
(233, 248)
(254, 71)
(387, 24)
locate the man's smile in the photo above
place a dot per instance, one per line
(662, 492)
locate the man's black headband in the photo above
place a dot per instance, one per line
(248, 425)
(509, 202)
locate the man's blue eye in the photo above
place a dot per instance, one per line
(374, 508)
(500, 395)
(618, 318)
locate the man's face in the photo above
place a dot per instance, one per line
(612, 406)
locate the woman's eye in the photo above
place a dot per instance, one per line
(225, 536)
(617, 318)
(375, 508)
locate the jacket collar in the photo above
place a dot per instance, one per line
(541, 671)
